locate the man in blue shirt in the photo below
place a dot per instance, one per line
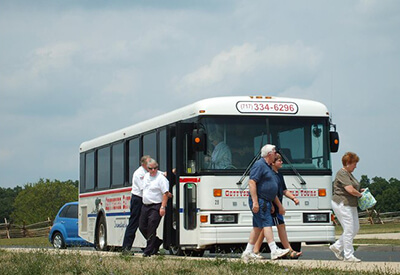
(263, 185)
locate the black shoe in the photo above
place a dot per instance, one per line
(157, 248)
(146, 255)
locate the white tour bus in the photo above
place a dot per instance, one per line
(209, 209)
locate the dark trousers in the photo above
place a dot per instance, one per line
(149, 220)
(130, 232)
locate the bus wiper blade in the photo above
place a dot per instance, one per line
(246, 172)
(302, 181)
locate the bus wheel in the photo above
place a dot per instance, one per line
(101, 235)
(177, 251)
(194, 253)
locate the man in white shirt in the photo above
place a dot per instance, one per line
(155, 198)
(136, 205)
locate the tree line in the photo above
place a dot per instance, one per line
(386, 193)
(35, 202)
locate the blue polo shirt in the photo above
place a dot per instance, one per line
(281, 186)
(266, 179)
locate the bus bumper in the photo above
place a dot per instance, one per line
(240, 235)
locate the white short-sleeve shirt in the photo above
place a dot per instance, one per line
(154, 188)
(137, 181)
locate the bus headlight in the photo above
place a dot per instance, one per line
(315, 217)
(224, 218)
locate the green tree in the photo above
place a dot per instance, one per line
(378, 185)
(7, 197)
(387, 196)
(364, 182)
(38, 201)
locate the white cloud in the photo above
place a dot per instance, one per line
(241, 61)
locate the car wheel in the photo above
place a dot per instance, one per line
(101, 235)
(58, 241)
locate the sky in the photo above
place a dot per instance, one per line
(74, 70)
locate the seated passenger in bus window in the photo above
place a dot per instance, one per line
(221, 156)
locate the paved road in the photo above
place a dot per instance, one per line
(322, 253)
(365, 253)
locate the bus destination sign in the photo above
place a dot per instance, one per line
(270, 107)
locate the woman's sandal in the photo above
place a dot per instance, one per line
(294, 254)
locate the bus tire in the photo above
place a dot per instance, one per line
(101, 234)
(195, 253)
(188, 252)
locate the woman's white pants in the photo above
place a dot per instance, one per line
(348, 218)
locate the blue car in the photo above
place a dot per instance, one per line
(64, 231)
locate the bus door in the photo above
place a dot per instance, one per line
(186, 189)
(169, 237)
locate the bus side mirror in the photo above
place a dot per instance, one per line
(199, 140)
(334, 141)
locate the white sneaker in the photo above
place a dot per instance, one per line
(353, 259)
(337, 252)
(248, 256)
(259, 256)
(279, 253)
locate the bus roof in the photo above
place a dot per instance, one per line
(234, 105)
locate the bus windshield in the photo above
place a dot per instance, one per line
(232, 142)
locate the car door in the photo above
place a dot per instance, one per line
(71, 221)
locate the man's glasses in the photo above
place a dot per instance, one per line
(153, 168)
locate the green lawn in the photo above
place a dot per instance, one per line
(377, 242)
(35, 242)
(47, 262)
(374, 228)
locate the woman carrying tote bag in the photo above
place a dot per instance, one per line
(346, 191)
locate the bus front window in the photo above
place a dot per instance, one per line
(232, 142)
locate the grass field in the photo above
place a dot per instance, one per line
(29, 242)
(374, 228)
(44, 262)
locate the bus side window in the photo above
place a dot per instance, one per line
(150, 145)
(82, 173)
(89, 173)
(117, 165)
(103, 168)
(162, 161)
(133, 157)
